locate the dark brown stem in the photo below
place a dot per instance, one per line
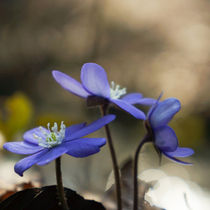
(135, 175)
(114, 160)
(61, 193)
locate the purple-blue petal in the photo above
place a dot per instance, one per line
(175, 159)
(28, 136)
(85, 146)
(165, 139)
(52, 154)
(22, 148)
(137, 98)
(70, 84)
(94, 80)
(91, 127)
(129, 108)
(29, 161)
(151, 110)
(181, 152)
(146, 101)
(132, 98)
(154, 106)
(163, 112)
(73, 128)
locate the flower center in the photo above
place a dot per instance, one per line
(116, 91)
(53, 137)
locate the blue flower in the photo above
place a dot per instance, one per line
(163, 136)
(44, 145)
(95, 83)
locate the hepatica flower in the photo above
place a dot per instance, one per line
(163, 136)
(95, 83)
(46, 144)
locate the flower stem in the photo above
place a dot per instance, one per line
(135, 175)
(61, 193)
(114, 160)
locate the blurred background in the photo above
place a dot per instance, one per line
(146, 46)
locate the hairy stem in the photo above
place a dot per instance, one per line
(135, 175)
(61, 193)
(114, 160)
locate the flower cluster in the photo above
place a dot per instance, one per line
(95, 83)
(46, 144)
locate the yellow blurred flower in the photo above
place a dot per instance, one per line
(15, 115)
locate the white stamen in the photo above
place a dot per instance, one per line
(48, 126)
(55, 128)
(53, 137)
(116, 91)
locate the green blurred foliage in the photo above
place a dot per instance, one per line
(190, 130)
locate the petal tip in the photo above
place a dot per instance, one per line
(55, 73)
(140, 116)
(103, 142)
(16, 169)
(112, 117)
(5, 146)
(91, 64)
(176, 102)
